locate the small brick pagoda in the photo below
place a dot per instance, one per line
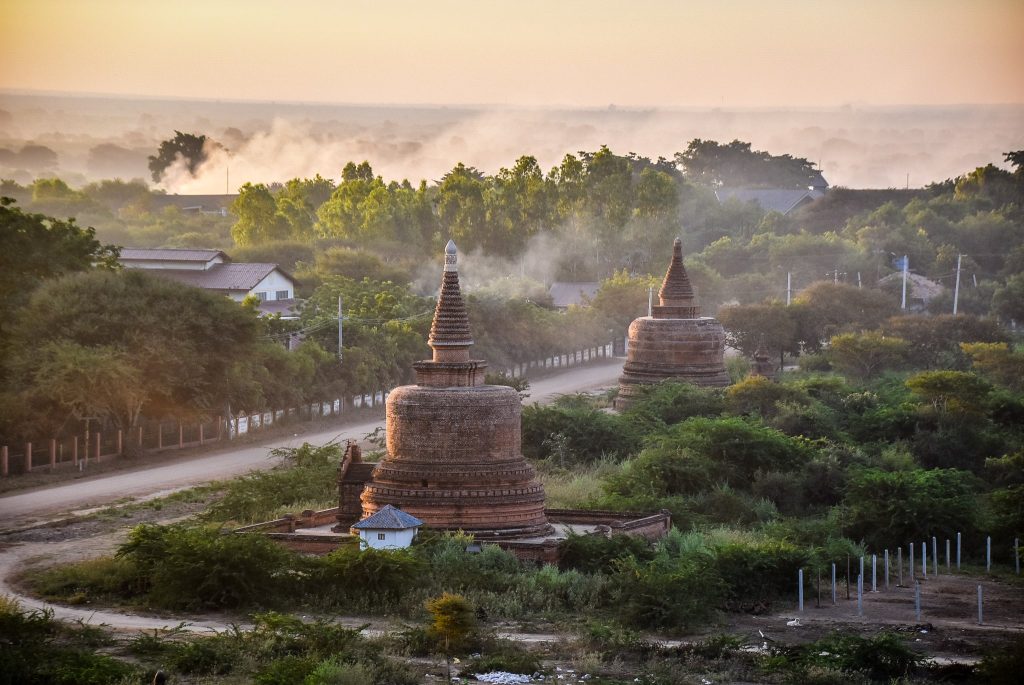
(762, 365)
(454, 456)
(675, 342)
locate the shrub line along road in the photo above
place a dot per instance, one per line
(156, 480)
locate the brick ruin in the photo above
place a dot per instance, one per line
(454, 461)
(762, 365)
(675, 342)
(453, 458)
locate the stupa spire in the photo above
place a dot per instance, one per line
(677, 299)
(450, 336)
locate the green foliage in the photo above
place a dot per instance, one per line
(735, 164)
(35, 248)
(195, 567)
(696, 454)
(39, 650)
(673, 591)
(164, 348)
(351, 577)
(668, 403)
(307, 475)
(881, 657)
(1002, 665)
(596, 553)
(452, 621)
(576, 435)
(885, 508)
(863, 355)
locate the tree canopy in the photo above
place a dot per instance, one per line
(189, 147)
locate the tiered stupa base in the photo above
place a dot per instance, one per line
(454, 462)
(686, 350)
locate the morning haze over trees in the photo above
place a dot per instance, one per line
(885, 427)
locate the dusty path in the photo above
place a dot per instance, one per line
(25, 507)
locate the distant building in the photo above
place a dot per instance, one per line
(566, 294)
(213, 270)
(920, 290)
(194, 204)
(781, 200)
(389, 528)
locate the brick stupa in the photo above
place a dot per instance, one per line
(675, 342)
(454, 456)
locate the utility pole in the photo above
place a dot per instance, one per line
(650, 301)
(858, 279)
(339, 329)
(956, 288)
(227, 180)
(789, 288)
(906, 263)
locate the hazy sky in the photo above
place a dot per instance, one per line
(524, 52)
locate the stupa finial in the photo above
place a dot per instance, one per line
(677, 300)
(450, 337)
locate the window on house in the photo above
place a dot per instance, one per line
(382, 536)
(262, 296)
(281, 295)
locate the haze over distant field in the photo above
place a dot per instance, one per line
(874, 90)
(855, 146)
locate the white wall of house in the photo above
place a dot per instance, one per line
(387, 539)
(275, 285)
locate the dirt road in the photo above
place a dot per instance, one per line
(26, 507)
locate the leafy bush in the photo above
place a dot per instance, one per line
(880, 657)
(891, 507)
(668, 403)
(39, 650)
(593, 553)
(349, 575)
(193, 567)
(103, 578)
(308, 475)
(584, 435)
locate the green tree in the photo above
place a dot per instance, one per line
(258, 218)
(35, 248)
(190, 148)
(735, 164)
(950, 393)
(183, 343)
(865, 354)
(826, 309)
(747, 326)
(452, 622)
(935, 341)
(1008, 301)
(998, 362)
(886, 508)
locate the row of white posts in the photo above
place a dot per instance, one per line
(917, 585)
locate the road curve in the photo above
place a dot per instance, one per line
(24, 507)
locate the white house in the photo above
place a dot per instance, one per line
(389, 528)
(214, 270)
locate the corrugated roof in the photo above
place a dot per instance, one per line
(782, 200)
(564, 294)
(237, 276)
(388, 518)
(174, 254)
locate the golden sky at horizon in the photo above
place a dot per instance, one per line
(736, 53)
